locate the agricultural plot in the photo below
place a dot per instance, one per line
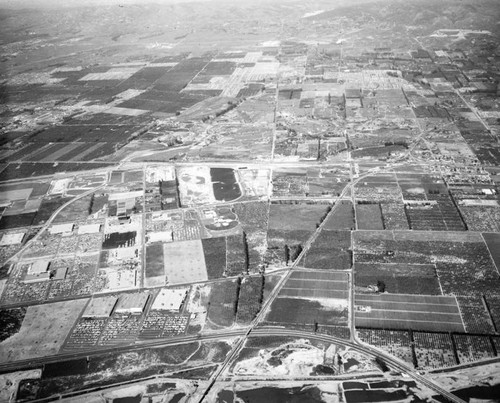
(315, 298)
(10, 322)
(493, 304)
(108, 134)
(493, 244)
(433, 350)
(43, 331)
(48, 207)
(400, 278)
(237, 259)
(154, 272)
(304, 284)
(342, 217)
(77, 210)
(379, 193)
(473, 348)
(222, 304)
(290, 217)
(341, 332)
(286, 311)
(98, 202)
(16, 221)
(176, 78)
(253, 218)
(475, 314)
(290, 225)
(397, 311)
(369, 217)
(394, 342)
(249, 299)
(184, 262)
(178, 225)
(495, 340)
(284, 247)
(439, 214)
(27, 170)
(473, 264)
(169, 195)
(239, 142)
(482, 219)
(476, 275)
(288, 183)
(214, 250)
(330, 251)
(394, 216)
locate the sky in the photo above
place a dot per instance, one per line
(73, 3)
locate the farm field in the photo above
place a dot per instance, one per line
(493, 242)
(388, 311)
(394, 342)
(369, 217)
(290, 225)
(184, 262)
(330, 251)
(315, 298)
(226, 201)
(222, 304)
(398, 278)
(290, 217)
(434, 350)
(154, 273)
(304, 284)
(342, 217)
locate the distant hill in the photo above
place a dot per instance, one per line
(430, 14)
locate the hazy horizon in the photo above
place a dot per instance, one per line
(17, 4)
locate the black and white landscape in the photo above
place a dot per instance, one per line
(250, 201)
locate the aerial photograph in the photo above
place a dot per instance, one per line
(237, 201)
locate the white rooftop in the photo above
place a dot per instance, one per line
(12, 239)
(162, 236)
(170, 299)
(61, 228)
(89, 229)
(40, 266)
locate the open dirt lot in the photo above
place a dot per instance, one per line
(43, 331)
(184, 262)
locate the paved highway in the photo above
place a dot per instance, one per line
(243, 334)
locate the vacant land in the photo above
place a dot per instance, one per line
(184, 262)
(290, 217)
(43, 331)
(369, 216)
